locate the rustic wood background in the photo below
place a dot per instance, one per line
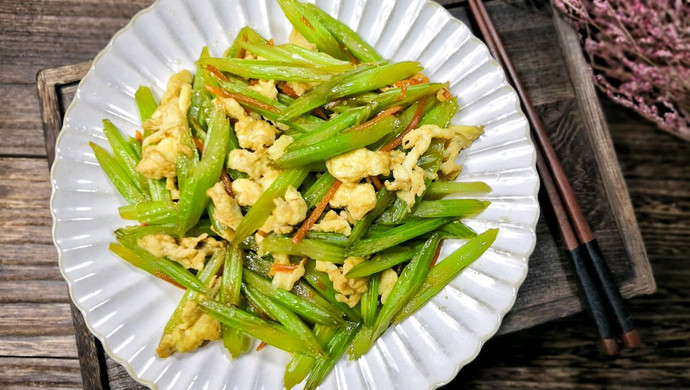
(37, 347)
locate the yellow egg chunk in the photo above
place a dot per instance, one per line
(349, 290)
(290, 210)
(255, 134)
(227, 211)
(386, 283)
(285, 279)
(246, 191)
(195, 328)
(357, 199)
(190, 252)
(353, 166)
(332, 222)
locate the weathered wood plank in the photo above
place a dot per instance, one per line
(17, 373)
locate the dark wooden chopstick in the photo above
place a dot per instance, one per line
(587, 242)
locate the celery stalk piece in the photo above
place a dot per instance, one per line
(287, 318)
(230, 294)
(445, 271)
(311, 28)
(246, 34)
(370, 301)
(299, 305)
(383, 200)
(146, 103)
(129, 251)
(396, 236)
(339, 144)
(362, 79)
(449, 208)
(383, 260)
(457, 229)
(153, 212)
(264, 206)
(273, 70)
(205, 174)
(158, 190)
(344, 35)
(314, 249)
(318, 190)
(296, 55)
(272, 333)
(444, 188)
(125, 156)
(407, 285)
(337, 239)
(299, 366)
(322, 284)
(118, 176)
(332, 127)
(335, 349)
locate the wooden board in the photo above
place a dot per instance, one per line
(551, 65)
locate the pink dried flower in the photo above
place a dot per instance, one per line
(639, 51)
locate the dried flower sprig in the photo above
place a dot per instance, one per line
(639, 51)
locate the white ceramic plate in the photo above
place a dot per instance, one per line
(127, 309)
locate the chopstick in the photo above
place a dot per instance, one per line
(590, 266)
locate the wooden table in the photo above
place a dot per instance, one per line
(37, 347)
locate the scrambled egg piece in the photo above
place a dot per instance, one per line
(195, 328)
(159, 150)
(246, 192)
(255, 133)
(332, 222)
(465, 135)
(254, 164)
(298, 39)
(266, 88)
(277, 150)
(190, 252)
(171, 185)
(300, 87)
(357, 199)
(386, 283)
(232, 108)
(408, 177)
(349, 290)
(269, 177)
(353, 166)
(286, 279)
(290, 210)
(227, 210)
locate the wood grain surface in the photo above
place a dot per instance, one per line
(37, 344)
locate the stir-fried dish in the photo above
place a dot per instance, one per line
(298, 192)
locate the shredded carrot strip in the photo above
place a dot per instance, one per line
(261, 346)
(376, 182)
(403, 92)
(413, 123)
(435, 259)
(414, 80)
(306, 22)
(242, 99)
(284, 267)
(315, 214)
(446, 94)
(139, 137)
(321, 285)
(217, 73)
(286, 89)
(271, 42)
(199, 145)
(319, 112)
(227, 184)
(262, 233)
(378, 118)
(167, 278)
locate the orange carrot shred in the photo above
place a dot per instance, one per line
(217, 73)
(376, 182)
(284, 267)
(167, 278)
(227, 183)
(403, 92)
(413, 123)
(286, 89)
(381, 115)
(306, 22)
(321, 285)
(199, 145)
(242, 99)
(261, 346)
(262, 233)
(316, 213)
(271, 42)
(435, 259)
(138, 136)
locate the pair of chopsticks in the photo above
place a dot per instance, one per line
(600, 291)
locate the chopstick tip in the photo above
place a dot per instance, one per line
(631, 339)
(610, 347)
